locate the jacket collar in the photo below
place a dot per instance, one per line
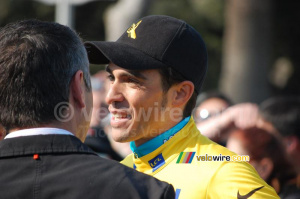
(42, 144)
(37, 131)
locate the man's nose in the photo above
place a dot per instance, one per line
(114, 94)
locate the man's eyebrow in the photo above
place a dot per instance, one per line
(108, 69)
(135, 73)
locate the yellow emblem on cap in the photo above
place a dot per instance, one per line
(131, 30)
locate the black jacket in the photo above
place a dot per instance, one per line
(61, 166)
(99, 143)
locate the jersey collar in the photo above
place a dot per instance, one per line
(156, 142)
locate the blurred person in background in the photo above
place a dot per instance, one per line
(98, 136)
(157, 68)
(218, 127)
(284, 113)
(208, 105)
(45, 103)
(268, 157)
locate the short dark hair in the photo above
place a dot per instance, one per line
(284, 113)
(37, 63)
(171, 77)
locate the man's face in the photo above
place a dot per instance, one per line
(140, 109)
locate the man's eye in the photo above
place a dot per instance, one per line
(111, 77)
(131, 80)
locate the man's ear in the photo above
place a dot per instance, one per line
(182, 93)
(77, 89)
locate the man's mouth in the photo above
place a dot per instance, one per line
(118, 116)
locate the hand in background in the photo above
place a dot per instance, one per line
(241, 116)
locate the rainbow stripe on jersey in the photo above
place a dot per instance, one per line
(186, 157)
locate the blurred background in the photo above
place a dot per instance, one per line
(253, 45)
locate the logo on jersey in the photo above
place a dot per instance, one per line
(131, 30)
(165, 140)
(186, 157)
(157, 162)
(248, 194)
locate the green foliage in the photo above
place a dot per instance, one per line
(14, 10)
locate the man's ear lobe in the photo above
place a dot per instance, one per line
(183, 92)
(76, 90)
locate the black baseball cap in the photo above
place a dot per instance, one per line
(155, 42)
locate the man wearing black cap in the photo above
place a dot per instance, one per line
(156, 69)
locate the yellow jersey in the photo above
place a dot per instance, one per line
(199, 168)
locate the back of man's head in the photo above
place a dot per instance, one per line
(283, 113)
(37, 62)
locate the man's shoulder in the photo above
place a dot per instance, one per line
(72, 167)
(239, 179)
(127, 181)
(133, 182)
(230, 172)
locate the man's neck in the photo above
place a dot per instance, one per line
(160, 128)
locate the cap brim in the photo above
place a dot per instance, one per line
(123, 55)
